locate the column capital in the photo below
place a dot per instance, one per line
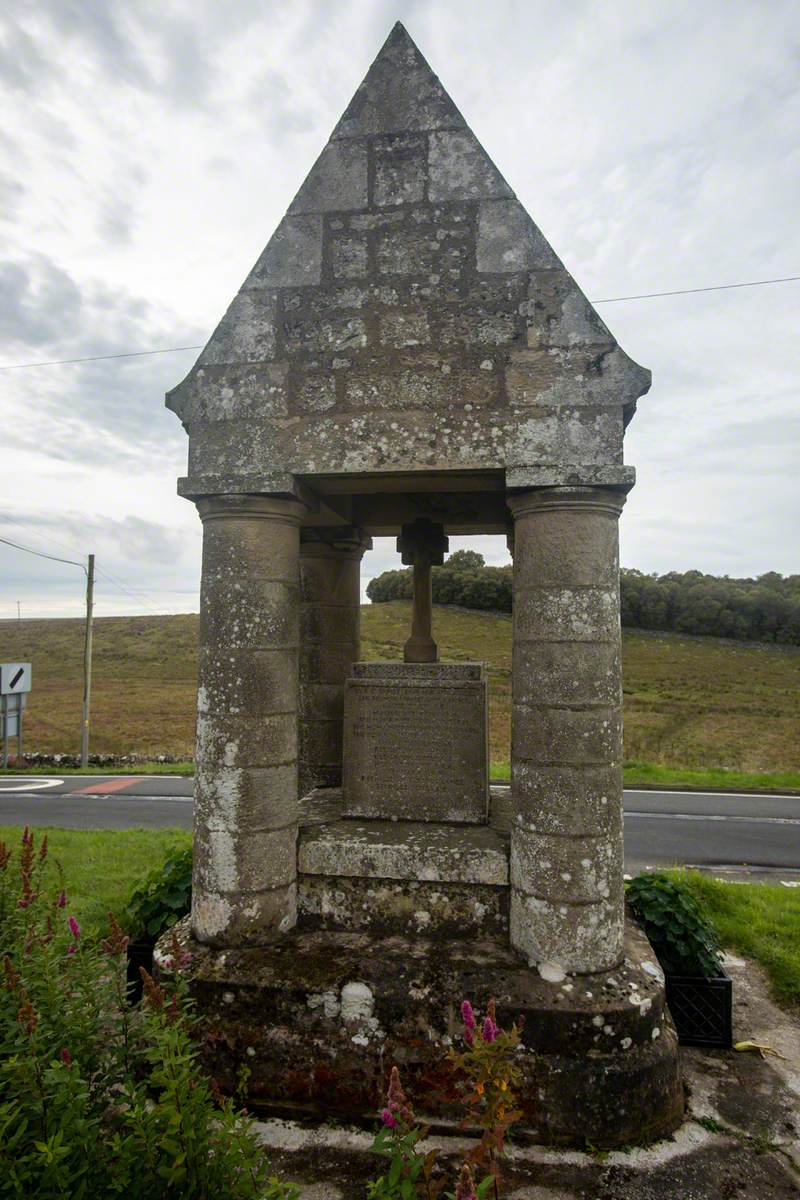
(338, 541)
(235, 506)
(557, 499)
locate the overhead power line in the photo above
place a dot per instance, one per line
(40, 554)
(718, 287)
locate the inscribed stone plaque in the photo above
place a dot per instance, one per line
(415, 742)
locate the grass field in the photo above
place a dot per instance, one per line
(698, 704)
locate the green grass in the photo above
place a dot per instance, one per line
(101, 866)
(708, 780)
(691, 704)
(758, 920)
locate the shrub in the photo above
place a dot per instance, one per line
(681, 934)
(97, 1099)
(161, 899)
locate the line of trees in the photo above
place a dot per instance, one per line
(765, 609)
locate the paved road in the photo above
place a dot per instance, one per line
(718, 830)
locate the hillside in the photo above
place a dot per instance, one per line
(689, 701)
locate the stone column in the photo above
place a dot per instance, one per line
(330, 591)
(566, 753)
(245, 823)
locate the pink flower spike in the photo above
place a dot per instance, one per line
(467, 1015)
(72, 950)
(74, 928)
(26, 836)
(66, 1057)
(62, 899)
(489, 1031)
(389, 1119)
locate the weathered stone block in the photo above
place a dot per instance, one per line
(413, 850)
(508, 240)
(237, 547)
(322, 742)
(391, 908)
(257, 683)
(244, 799)
(584, 939)
(404, 329)
(420, 252)
(460, 169)
(338, 180)
(568, 869)
(584, 375)
(469, 327)
(552, 614)
(238, 740)
(570, 435)
(571, 548)
(330, 623)
(580, 673)
(578, 737)
(400, 169)
(228, 393)
(309, 334)
(349, 257)
(334, 580)
(247, 331)
(415, 742)
(400, 92)
(313, 391)
(430, 380)
(293, 255)
(261, 859)
(322, 701)
(325, 664)
(558, 314)
(243, 919)
(569, 800)
(249, 612)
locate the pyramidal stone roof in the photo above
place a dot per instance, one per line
(407, 315)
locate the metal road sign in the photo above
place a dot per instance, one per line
(14, 678)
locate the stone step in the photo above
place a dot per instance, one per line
(401, 878)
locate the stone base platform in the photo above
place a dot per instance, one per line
(320, 1017)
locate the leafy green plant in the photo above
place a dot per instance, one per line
(98, 1099)
(491, 1073)
(410, 1173)
(681, 934)
(161, 899)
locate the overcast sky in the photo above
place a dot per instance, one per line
(148, 150)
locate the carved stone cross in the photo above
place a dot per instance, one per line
(423, 545)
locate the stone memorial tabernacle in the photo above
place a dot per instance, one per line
(409, 357)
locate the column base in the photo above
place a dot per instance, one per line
(320, 1017)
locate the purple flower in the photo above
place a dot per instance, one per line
(72, 950)
(74, 928)
(489, 1031)
(468, 1017)
(61, 902)
(389, 1119)
(26, 836)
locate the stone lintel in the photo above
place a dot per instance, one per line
(618, 477)
(279, 483)
(412, 850)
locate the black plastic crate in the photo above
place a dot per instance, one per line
(702, 1009)
(140, 954)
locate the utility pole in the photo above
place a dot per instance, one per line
(19, 612)
(87, 662)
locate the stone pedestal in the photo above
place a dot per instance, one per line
(330, 611)
(566, 744)
(320, 1018)
(415, 742)
(245, 819)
